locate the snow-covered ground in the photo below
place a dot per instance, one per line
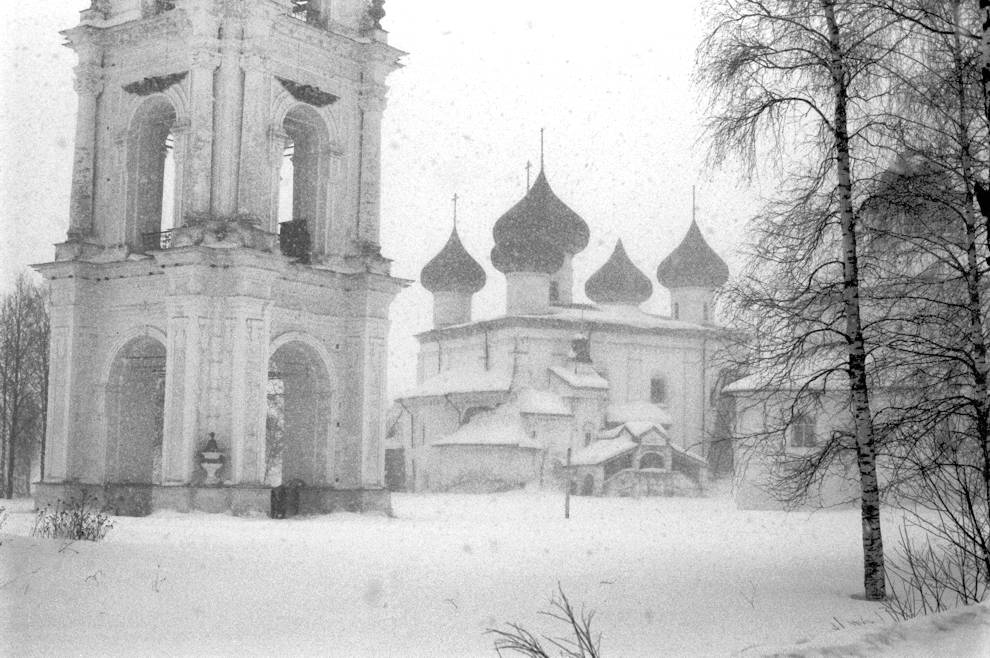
(673, 577)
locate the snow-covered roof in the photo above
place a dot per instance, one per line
(502, 426)
(533, 401)
(601, 451)
(626, 412)
(792, 381)
(461, 381)
(637, 428)
(580, 375)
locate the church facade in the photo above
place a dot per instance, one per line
(602, 397)
(210, 336)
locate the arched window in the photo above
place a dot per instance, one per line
(802, 432)
(302, 186)
(658, 389)
(152, 172)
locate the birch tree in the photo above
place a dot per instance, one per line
(23, 380)
(805, 78)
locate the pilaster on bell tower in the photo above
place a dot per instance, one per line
(190, 290)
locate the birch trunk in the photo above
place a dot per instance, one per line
(873, 561)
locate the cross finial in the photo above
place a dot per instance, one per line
(529, 165)
(541, 148)
(454, 199)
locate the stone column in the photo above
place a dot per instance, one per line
(182, 391)
(89, 85)
(255, 159)
(248, 379)
(371, 104)
(228, 103)
(333, 235)
(277, 138)
(197, 158)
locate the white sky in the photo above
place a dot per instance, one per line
(611, 83)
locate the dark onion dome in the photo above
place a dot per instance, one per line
(542, 216)
(453, 269)
(693, 264)
(532, 256)
(618, 281)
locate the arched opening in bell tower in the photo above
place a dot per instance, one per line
(135, 412)
(298, 439)
(152, 172)
(303, 173)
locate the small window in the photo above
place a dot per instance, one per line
(802, 432)
(704, 312)
(658, 390)
(677, 311)
(554, 292)
(651, 460)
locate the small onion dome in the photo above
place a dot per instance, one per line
(521, 256)
(618, 281)
(541, 216)
(453, 269)
(693, 264)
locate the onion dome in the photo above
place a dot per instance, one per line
(618, 281)
(534, 256)
(541, 216)
(453, 269)
(693, 264)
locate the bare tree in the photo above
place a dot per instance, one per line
(23, 381)
(806, 77)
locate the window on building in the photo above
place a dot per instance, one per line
(651, 460)
(658, 390)
(151, 189)
(677, 311)
(802, 432)
(554, 292)
(704, 312)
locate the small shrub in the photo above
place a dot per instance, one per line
(77, 519)
(580, 643)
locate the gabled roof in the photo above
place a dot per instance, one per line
(462, 381)
(580, 375)
(693, 264)
(602, 451)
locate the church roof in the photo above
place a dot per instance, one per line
(618, 281)
(453, 269)
(693, 264)
(502, 426)
(537, 223)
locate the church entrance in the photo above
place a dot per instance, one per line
(135, 413)
(298, 430)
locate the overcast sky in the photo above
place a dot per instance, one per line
(610, 82)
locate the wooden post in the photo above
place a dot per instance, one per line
(567, 494)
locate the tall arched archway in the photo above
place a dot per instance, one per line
(135, 403)
(304, 176)
(151, 173)
(298, 444)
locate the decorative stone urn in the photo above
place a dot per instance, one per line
(211, 459)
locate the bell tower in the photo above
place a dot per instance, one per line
(222, 275)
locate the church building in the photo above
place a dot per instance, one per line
(219, 308)
(626, 396)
